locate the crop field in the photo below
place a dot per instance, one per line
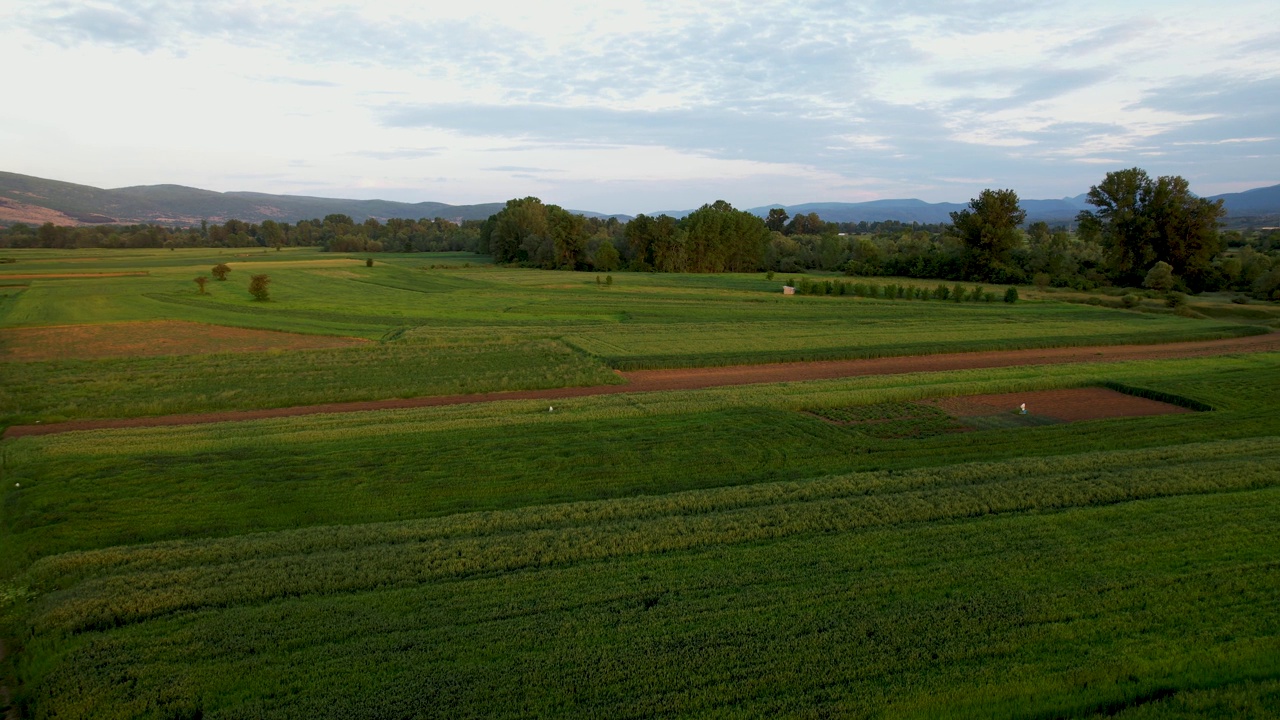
(454, 324)
(829, 548)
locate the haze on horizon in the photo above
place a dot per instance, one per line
(635, 107)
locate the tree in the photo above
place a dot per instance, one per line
(220, 271)
(273, 234)
(606, 257)
(519, 233)
(657, 243)
(777, 219)
(200, 281)
(989, 230)
(809, 224)
(258, 287)
(719, 238)
(1140, 221)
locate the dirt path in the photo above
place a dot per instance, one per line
(697, 378)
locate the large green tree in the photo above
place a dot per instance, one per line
(528, 232)
(657, 243)
(722, 239)
(1141, 221)
(989, 230)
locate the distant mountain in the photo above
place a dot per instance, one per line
(912, 210)
(36, 200)
(1259, 202)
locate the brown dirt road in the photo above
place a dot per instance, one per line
(696, 378)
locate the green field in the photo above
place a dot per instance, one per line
(727, 552)
(453, 324)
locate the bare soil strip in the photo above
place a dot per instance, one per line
(151, 338)
(1066, 405)
(697, 378)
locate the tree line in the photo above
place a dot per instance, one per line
(335, 232)
(1138, 224)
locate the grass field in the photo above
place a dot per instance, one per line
(452, 324)
(725, 552)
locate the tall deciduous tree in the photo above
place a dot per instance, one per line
(989, 229)
(777, 219)
(1141, 220)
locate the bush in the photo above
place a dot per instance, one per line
(201, 281)
(258, 287)
(1160, 278)
(1011, 295)
(220, 271)
(1130, 300)
(768, 275)
(1175, 299)
(368, 262)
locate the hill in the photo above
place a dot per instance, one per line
(24, 198)
(912, 210)
(1263, 202)
(34, 200)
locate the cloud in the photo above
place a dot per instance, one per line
(401, 153)
(520, 169)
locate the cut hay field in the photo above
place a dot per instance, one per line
(829, 548)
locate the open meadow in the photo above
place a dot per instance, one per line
(859, 546)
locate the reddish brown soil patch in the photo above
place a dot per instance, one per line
(692, 378)
(1065, 405)
(69, 276)
(659, 380)
(161, 337)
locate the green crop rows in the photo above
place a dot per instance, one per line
(807, 549)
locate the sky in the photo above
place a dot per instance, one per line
(632, 106)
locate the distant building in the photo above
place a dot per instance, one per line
(788, 290)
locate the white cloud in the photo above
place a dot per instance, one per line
(768, 99)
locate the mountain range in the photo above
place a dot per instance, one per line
(34, 200)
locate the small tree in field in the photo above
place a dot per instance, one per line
(258, 287)
(201, 281)
(1011, 295)
(220, 271)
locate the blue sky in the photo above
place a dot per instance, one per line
(635, 107)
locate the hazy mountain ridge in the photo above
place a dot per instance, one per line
(24, 198)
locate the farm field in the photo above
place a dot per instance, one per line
(450, 324)
(831, 547)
